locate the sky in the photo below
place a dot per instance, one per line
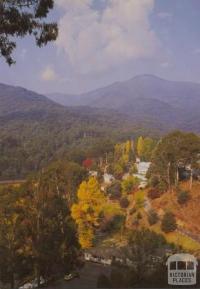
(104, 41)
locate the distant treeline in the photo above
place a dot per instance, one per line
(27, 145)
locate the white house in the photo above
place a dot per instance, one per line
(143, 167)
(141, 178)
(105, 256)
(108, 179)
(93, 173)
(97, 258)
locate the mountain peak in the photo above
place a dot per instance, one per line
(145, 77)
(147, 97)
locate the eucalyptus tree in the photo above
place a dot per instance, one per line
(19, 18)
(173, 151)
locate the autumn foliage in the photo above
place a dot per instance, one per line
(87, 211)
(87, 163)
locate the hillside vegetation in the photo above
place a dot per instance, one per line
(187, 215)
(35, 131)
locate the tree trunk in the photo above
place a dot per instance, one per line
(168, 176)
(101, 162)
(37, 274)
(37, 267)
(191, 178)
(106, 158)
(177, 177)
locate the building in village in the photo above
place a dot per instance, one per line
(142, 169)
(108, 178)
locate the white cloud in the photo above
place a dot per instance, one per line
(98, 40)
(48, 74)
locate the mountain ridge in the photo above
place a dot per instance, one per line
(146, 97)
(35, 131)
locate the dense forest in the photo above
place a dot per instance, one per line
(35, 131)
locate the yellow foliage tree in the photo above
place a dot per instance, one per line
(145, 147)
(140, 146)
(124, 152)
(128, 147)
(86, 212)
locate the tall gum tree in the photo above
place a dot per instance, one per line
(19, 18)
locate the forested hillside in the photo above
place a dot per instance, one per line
(35, 131)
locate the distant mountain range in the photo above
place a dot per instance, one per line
(35, 130)
(146, 98)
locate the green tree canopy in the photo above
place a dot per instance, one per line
(142, 245)
(19, 18)
(168, 223)
(37, 233)
(174, 150)
(49, 231)
(129, 184)
(12, 245)
(145, 147)
(64, 178)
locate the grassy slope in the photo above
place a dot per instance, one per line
(188, 216)
(177, 238)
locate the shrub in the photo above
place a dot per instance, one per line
(112, 224)
(118, 171)
(139, 216)
(129, 184)
(168, 222)
(183, 197)
(154, 181)
(114, 190)
(124, 203)
(133, 169)
(133, 211)
(139, 200)
(154, 193)
(118, 222)
(162, 187)
(136, 222)
(152, 217)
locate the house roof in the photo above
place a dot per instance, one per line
(108, 175)
(143, 165)
(105, 252)
(140, 177)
